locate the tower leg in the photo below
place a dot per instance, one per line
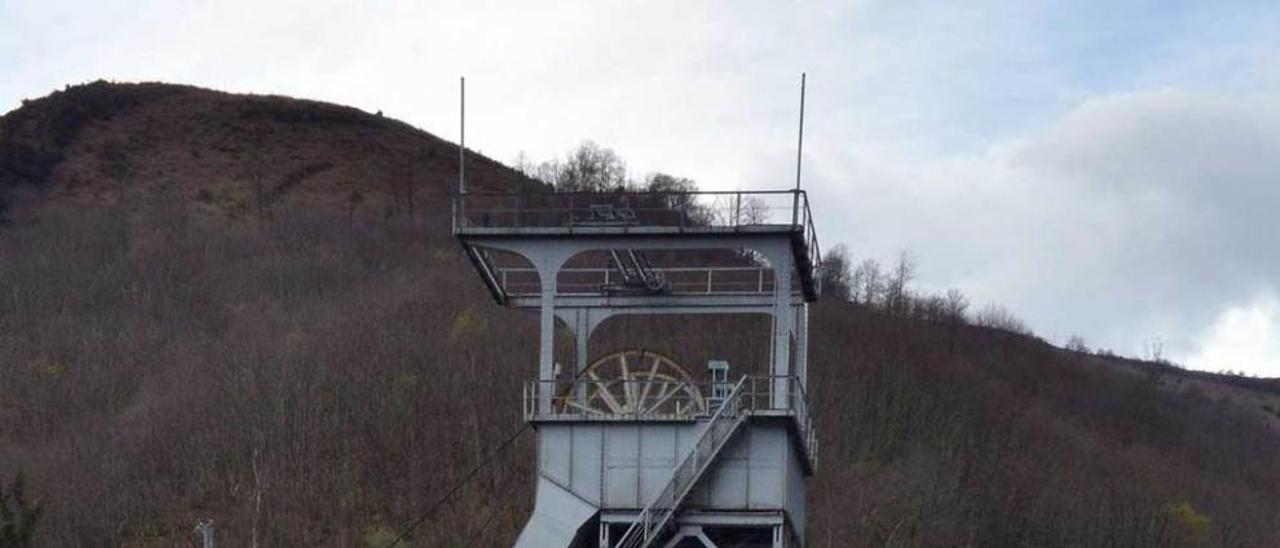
(547, 354)
(548, 263)
(801, 326)
(582, 335)
(782, 319)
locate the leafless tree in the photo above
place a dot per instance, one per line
(1076, 344)
(956, 306)
(835, 274)
(999, 317)
(587, 168)
(867, 283)
(897, 293)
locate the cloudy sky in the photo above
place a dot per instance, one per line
(1107, 169)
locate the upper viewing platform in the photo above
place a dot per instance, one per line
(622, 222)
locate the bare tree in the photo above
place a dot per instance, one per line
(956, 306)
(662, 182)
(835, 274)
(677, 194)
(1154, 350)
(1076, 344)
(525, 165)
(896, 292)
(753, 212)
(587, 168)
(867, 283)
(999, 317)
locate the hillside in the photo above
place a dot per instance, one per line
(250, 309)
(234, 155)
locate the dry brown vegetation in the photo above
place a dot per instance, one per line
(954, 434)
(307, 382)
(189, 331)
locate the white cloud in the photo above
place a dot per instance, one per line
(1132, 217)
(1243, 338)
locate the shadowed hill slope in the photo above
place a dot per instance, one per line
(249, 309)
(235, 155)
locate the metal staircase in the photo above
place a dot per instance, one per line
(653, 520)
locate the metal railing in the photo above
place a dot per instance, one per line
(758, 397)
(810, 240)
(706, 211)
(653, 519)
(616, 399)
(690, 210)
(666, 399)
(707, 280)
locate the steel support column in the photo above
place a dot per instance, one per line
(802, 345)
(781, 261)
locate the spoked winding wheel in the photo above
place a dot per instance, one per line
(634, 383)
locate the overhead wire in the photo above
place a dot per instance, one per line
(458, 485)
(467, 478)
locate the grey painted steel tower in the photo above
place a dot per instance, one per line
(635, 449)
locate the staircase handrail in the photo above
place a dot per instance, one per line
(655, 516)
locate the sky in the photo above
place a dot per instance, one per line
(1108, 169)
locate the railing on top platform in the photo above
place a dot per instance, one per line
(640, 211)
(696, 280)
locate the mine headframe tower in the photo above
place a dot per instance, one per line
(634, 449)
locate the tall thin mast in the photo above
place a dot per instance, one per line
(800, 142)
(462, 139)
